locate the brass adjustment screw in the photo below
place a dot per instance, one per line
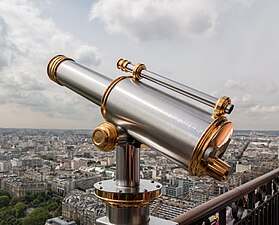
(105, 137)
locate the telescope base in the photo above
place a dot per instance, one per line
(153, 221)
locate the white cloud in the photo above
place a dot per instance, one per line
(270, 88)
(239, 84)
(265, 109)
(161, 19)
(244, 3)
(27, 42)
(7, 49)
(87, 55)
(243, 103)
(245, 98)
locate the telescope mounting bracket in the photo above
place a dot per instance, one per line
(127, 198)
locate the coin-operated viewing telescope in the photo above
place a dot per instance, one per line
(139, 112)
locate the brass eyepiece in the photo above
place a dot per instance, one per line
(122, 64)
(53, 65)
(223, 106)
(105, 137)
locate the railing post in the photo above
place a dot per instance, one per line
(269, 188)
(254, 218)
(257, 216)
(222, 216)
(274, 210)
(261, 215)
(266, 213)
(269, 211)
(277, 208)
(251, 199)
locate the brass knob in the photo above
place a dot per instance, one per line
(217, 169)
(105, 137)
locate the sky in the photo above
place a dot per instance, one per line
(219, 47)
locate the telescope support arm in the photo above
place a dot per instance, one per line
(127, 198)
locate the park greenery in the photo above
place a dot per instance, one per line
(32, 209)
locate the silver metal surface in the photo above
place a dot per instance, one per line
(111, 187)
(158, 120)
(88, 83)
(177, 87)
(153, 221)
(152, 117)
(135, 216)
(127, 166)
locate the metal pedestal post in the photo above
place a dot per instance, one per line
(127, 198)
(152, 221)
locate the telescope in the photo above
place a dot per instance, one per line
(145, 108)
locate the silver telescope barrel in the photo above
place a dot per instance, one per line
(186, 134)
(88, 83)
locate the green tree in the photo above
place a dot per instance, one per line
(13, 221)
(14, 200)
(2, 193)
(37, 217)
(4, 201)
(51, 206)
(6, 215)
(36, 202)
(19, 209)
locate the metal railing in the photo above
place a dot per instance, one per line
(255, 202)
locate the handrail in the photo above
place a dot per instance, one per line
(215, 205)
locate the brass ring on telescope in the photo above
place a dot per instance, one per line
(53, 65)
(198, 165)
(107, 92)
(137, 71)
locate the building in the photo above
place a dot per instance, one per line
(169, 209)
(76, 163)
(5, 166)
(82, 206)
(27, 162)
(64, 184)
(19, 186)
(176, 187)
(34, 175)
(241, 168)
(59, 221)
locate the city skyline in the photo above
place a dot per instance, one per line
(51, 163)
(221, 48)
